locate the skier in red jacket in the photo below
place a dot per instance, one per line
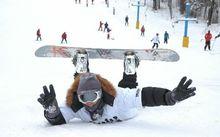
(142, 30)
(64, 36)
(38, 35)
(208, 37)
(100, 26)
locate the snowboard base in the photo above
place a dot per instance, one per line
(100, 53)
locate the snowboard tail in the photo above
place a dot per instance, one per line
(99, 53)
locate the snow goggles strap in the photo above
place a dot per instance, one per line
(90, 96)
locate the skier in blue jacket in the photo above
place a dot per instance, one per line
(93, 98)
(166, 37)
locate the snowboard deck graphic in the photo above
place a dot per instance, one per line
(100, 53)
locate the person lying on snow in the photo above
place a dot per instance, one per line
(93, 98)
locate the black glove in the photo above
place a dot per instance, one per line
(52, 112)
(47, 98)
(49, 102)
(182, 91)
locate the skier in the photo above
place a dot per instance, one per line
(208, 37)
(142, 30)
(100, 25)
(93, 98)
(126, 20)
(92, 2)
(64, 37)
(108, 33)
(155, 41)
(38, 35)
(166, 37)
(105, 26)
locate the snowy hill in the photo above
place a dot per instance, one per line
(23, 74)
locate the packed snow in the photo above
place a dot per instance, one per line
(23, 74)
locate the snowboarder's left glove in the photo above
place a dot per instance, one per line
(182, 91)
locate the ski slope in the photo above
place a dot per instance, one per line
(22, 75)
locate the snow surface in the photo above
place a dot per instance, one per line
(23, 74)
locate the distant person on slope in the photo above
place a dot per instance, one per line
(208, 37)
(126, 21)
(108, 33)
(105, 26)
(93, 98)
(166, 37)
(64, 38)
(100, 26)
(142, 30)
(155, 41)
(38, 35)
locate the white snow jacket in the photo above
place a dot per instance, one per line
(156, 39)
(125, 106)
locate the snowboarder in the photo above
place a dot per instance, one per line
(38, 35)
(126, 20)
(100, 26)
(105, 26)
(93, 98)
(108, 33)
(142, 30)
(155, 41)
(166, 37)
(64, 38)
(208, 37)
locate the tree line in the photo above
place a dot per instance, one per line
(202, 9)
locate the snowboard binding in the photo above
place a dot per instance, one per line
(131, 62)
(81, 61)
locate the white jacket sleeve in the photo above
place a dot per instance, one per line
(67, 113)
(128, 98)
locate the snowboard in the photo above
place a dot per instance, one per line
(100, 53)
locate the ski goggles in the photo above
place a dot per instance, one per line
(90, 96)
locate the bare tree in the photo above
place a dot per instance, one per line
(158, 4)
(155, 4)
(196, 8)
(210, 12)
(182, 6)
(170, 8)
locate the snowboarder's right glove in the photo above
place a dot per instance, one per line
(49, 102)
(182, 91)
